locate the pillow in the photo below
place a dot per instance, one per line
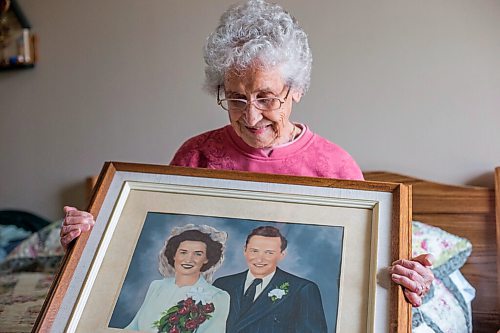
(446, 308)
(10, 237)
(42, 251)
(450, 251)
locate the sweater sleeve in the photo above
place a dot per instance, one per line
(351, 170)
(332, 161)
(190, 154)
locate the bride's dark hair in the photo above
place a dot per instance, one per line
(214, 249)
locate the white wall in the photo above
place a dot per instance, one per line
(407, 86)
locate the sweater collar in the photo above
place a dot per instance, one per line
(276, 152)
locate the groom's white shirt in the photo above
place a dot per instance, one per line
(260, 287)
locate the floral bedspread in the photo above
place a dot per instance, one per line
(21, 298)
(25, 278)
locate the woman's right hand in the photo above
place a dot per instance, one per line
(75, 222)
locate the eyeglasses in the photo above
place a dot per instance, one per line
(239, 104)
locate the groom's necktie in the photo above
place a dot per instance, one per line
(247, 300)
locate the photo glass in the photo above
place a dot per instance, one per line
(320, 263)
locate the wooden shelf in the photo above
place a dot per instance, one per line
(15, 67)
(18, 40)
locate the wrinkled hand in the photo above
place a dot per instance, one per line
(415, 276)
(75, 222)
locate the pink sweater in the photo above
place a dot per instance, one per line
(309, 155)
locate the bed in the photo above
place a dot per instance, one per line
(467, 212)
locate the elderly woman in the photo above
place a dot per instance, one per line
(258, 64)
(188, 259)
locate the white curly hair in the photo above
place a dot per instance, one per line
(258, 33)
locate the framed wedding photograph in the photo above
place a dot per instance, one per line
(195, 250)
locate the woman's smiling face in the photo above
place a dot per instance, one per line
(190, 257)
(257, 128)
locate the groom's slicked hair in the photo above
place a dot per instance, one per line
(268, 231)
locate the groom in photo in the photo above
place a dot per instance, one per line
(267, 299)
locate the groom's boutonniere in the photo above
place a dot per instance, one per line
(278, 293)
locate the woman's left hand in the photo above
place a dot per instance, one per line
(415, 276)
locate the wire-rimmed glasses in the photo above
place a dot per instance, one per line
(239, 104)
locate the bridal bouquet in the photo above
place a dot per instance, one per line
(185, 317)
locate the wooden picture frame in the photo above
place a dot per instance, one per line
(371, 219)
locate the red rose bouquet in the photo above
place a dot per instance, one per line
(185, 317)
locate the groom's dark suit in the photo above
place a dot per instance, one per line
(299, 311)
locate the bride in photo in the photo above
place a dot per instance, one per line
(185, 300)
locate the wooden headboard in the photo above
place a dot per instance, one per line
(467, 212)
